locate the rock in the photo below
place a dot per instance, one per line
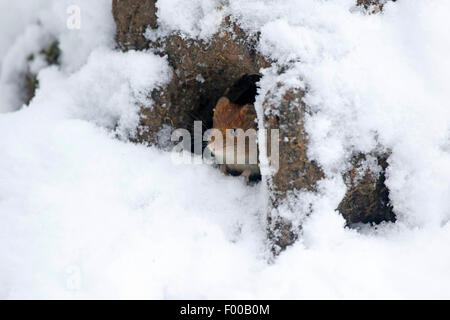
(132, 18)
(52, 53)
(31, 84)
(367, 198)
(295, 172)
(373, 6)
(202, 71)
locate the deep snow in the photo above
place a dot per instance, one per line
(85, 214)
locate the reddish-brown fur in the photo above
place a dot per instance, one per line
(227, 116)
(232, 116)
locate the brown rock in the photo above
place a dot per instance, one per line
(367, 198)
(295, 172)
(374, 6)
(132, 18)
(31, 83)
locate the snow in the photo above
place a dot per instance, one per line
(190, 18)
(44, 21)
(86, 214)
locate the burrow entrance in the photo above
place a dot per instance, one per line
(202, 73)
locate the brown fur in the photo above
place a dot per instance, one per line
(228, 115)
(232, 116)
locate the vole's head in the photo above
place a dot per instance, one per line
(237, 124)
(235, 118)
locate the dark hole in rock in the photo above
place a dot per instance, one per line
(244, 90)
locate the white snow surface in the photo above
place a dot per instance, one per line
(86, 214)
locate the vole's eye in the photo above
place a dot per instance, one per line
(233, 132)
